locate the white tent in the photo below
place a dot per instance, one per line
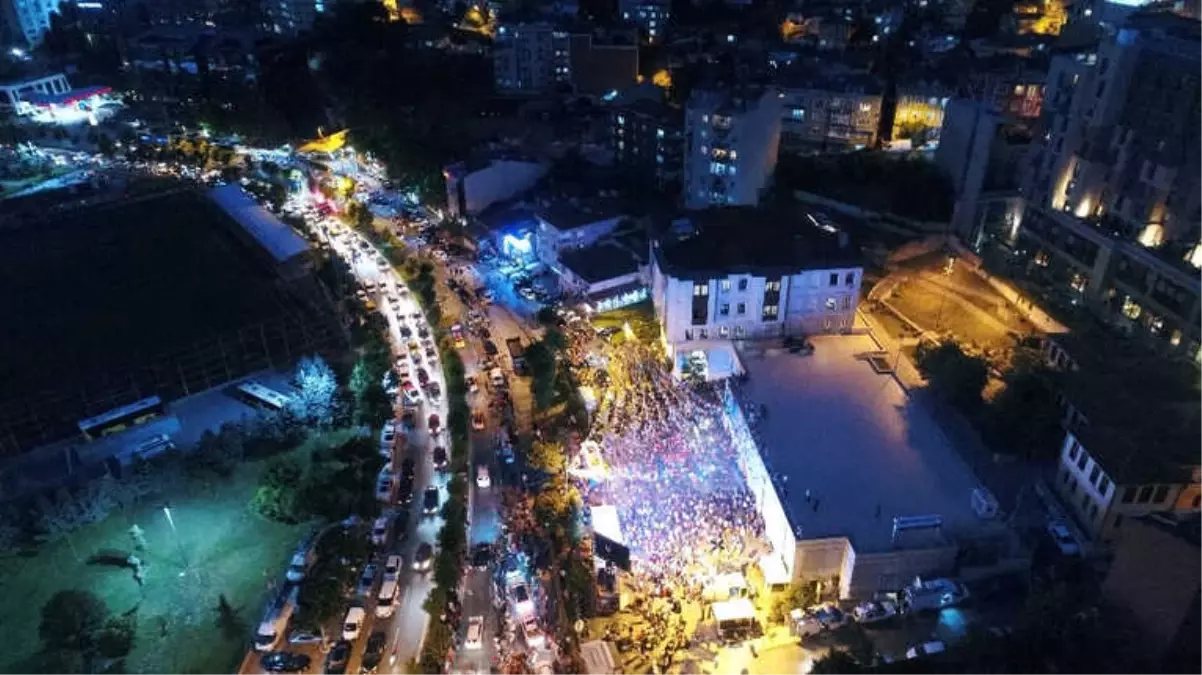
(600, 657)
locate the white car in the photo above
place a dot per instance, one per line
(532, 633)
(926, 649)
(387, 438)
(385, 484)
(483, 480)
(1063, 538)
(392, 567)
(352, 624)
(379, 531)
(475, 633)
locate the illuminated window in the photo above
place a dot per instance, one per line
(701, 289)
(770, 312)
(799, 114)
(726, 284)
(831, 304)
(772, 286)
(659, 133)
(621, 119)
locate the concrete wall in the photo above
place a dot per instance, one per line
(891, 570)
(500, 180)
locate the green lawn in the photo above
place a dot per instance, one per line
(218, 547)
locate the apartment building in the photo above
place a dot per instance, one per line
(731, 143)
(1113, 192)
(744, 274)
(545, 56)
(1133, 423)
(25, 21)
(647, 138)
(822, 113)
(292, 17)
(651, 16)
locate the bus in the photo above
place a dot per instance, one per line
(120, 419)
(262, 397)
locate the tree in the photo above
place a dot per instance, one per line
(952, 374)
(316, 387)
(799, 595)
(116, 638)
(275, 503)
(547, 456)
(10, 533)
(1026, 415)
(229, 622)
(71, 620)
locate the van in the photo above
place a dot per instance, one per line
(302, 560)
(386, 600)
(274, 625)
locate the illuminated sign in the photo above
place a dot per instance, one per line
(512, 245)
(622, 300)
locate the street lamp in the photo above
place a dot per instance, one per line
(170, 520)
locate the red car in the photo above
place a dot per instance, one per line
(434, 423)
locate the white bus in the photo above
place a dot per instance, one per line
(258, 395)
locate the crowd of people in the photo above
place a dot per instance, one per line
(673, 476)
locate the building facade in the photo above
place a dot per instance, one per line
(26, 20)
(731, 144)
(651, 16)
(830, 113)
(647, 139)
(1113, 194)
(541, 57)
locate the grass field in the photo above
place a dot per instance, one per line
(216, 547)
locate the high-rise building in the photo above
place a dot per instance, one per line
(26, 21)
(731, 143)
(1113, 193)
(542, 56)
(648, 142)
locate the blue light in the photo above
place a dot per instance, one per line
(511, 244)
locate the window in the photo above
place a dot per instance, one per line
(659, 133)
(772, 287)
(847, 302)
(798, 114)
(834, 280)
(770, 312)
(740, 331)
(1082, 461)
(720, 169)
(1145, 494)
(830, 304)
(1073, 450)
(741, 308)
(1162, 493)
(742, 284)
(1093, 474)
(726, 284)
(703, 334)
(724, 310)
(688, 334)
(1128, 495)
(849, 279)
(701, 289)
(1104, 485)
(723, 331)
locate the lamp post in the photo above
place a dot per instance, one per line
(179, 542)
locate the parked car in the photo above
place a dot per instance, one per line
(353, 623)
(874, 611)
(430, 501)
(339, 656)
(475, 633)
(285, 662)
(302, 560)
(440, 457)
(373, 653)
(387, 438)
(926, 649)
(483, 480)
(379, 531)
(532, 633)
(367, 579)
(1063, 538)
(478, 421)
(481, 554)
(423, 557)
(435, 424)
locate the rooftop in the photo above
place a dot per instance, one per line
(744, 239)
(606, 260)
(565, 212)
(803, 76)
(727, 101)
(657, 110)
(857, 443)
(277, 238)
(1143, 410)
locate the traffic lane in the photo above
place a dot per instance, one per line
(477, 601)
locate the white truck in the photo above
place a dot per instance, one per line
(274, 625)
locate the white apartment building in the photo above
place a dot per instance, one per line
(27, 20)
(739, 279)
(731, 144)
